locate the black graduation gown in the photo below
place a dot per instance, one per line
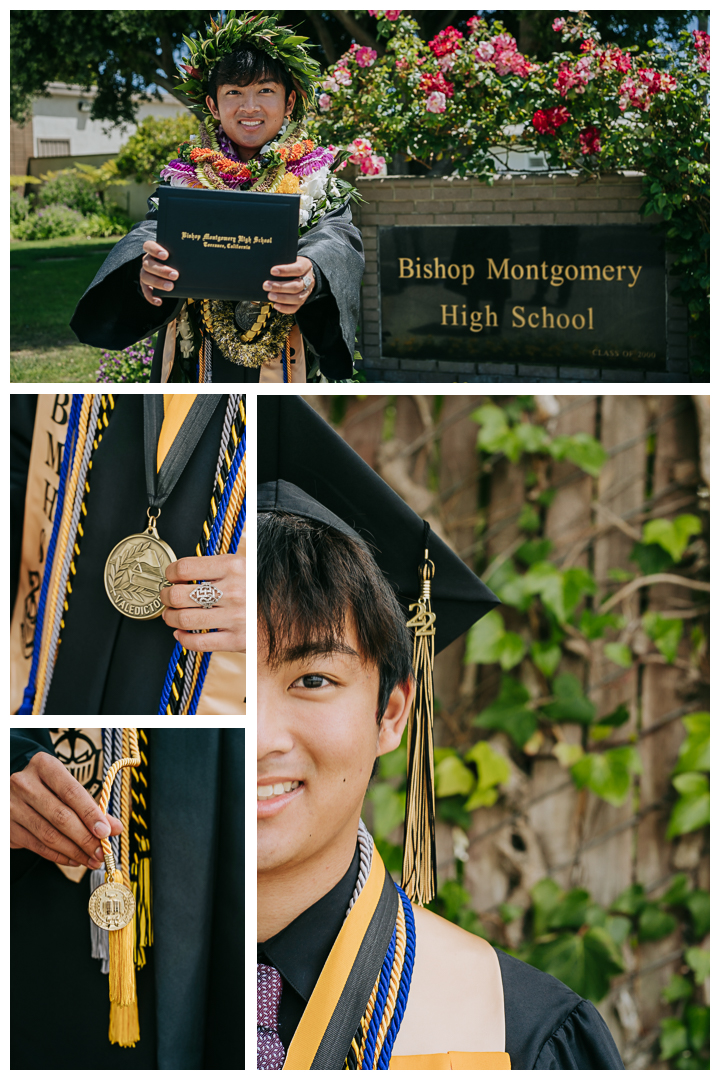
(190, 994)
(113, 313)
(109, 664)
(547, 1025)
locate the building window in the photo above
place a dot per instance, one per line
(53, 147)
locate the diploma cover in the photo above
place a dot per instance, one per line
(223, 244)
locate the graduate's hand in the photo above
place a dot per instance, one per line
(155, 273)
(53, 815)
(226, 573)
(289, 296)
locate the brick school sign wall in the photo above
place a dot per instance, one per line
(581, 293)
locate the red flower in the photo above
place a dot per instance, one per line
(590, 140)
(437, 84)
(547, 121)
(192, 72)
(447, 41)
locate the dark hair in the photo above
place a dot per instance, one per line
(311, 578)
(246, 65)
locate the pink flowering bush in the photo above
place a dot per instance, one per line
(594, 106)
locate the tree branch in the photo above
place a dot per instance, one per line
(363, 37)
(651, 579)
(323, 32)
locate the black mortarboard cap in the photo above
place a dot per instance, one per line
(297, 446)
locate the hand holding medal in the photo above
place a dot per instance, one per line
(223, 578)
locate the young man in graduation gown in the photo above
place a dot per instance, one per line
(351, 974)
(187, 799)
(108, 607)
(251, 97)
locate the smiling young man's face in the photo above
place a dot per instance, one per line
(251, 115)
(318, 737)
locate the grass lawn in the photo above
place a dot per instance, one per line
(47, 278)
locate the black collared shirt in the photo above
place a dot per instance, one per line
(300, 950)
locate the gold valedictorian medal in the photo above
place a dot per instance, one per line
(135, 572)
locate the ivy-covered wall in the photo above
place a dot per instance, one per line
(572, 729)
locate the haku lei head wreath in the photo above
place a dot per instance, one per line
(260, 31)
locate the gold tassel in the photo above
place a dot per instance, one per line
(122, 969)
(419, 878)
(124, 1024)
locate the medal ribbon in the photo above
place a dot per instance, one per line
(173, 426)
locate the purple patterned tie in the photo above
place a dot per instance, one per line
(270, 1051)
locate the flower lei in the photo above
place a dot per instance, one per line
(289, 164)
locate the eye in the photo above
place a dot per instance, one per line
(311, 682)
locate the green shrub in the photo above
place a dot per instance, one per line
(152, 145)
(19, 208)
(127, 365)
(69, 188)
(48, 223)
(110, 221)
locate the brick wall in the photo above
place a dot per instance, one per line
(534, 199)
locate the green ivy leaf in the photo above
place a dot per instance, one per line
(492, 768)
(546, 895)
(695, 750)
(585, 962)
(698, 904)
(567, 753)
(673, 536)
(594, 626)
(582, 450)
(453, 778)
(530, 437)
(619, 575)
(616, 718)
(654, 924)
(666, 633)
(698, 960)
(678, 989)
(630, 901)
(508, 713)
(512, 650)
(388, 809)
(510, 912)
(692, 810)
(493, 427)
(528, 519)
(533, 551)
(619, 654)
(608, 774)
(577, 582)
(618, 927)
(677, 892)
(651, 558)
(484, 638)
(546, 657)
(571, 910)
(570, 703)
(697, 1018)
(673, 1037)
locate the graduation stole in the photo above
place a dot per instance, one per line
(89, 417)
(355, 1011)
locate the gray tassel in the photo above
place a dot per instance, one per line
(99, 942)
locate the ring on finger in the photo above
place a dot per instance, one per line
(307, 280)
(206, 595)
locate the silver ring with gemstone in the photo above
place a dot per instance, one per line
(206, 595)
(307, 280)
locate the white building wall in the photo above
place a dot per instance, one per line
(58, 117)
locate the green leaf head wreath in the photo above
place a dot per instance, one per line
(262, 32)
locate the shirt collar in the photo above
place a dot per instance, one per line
(299, 950)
